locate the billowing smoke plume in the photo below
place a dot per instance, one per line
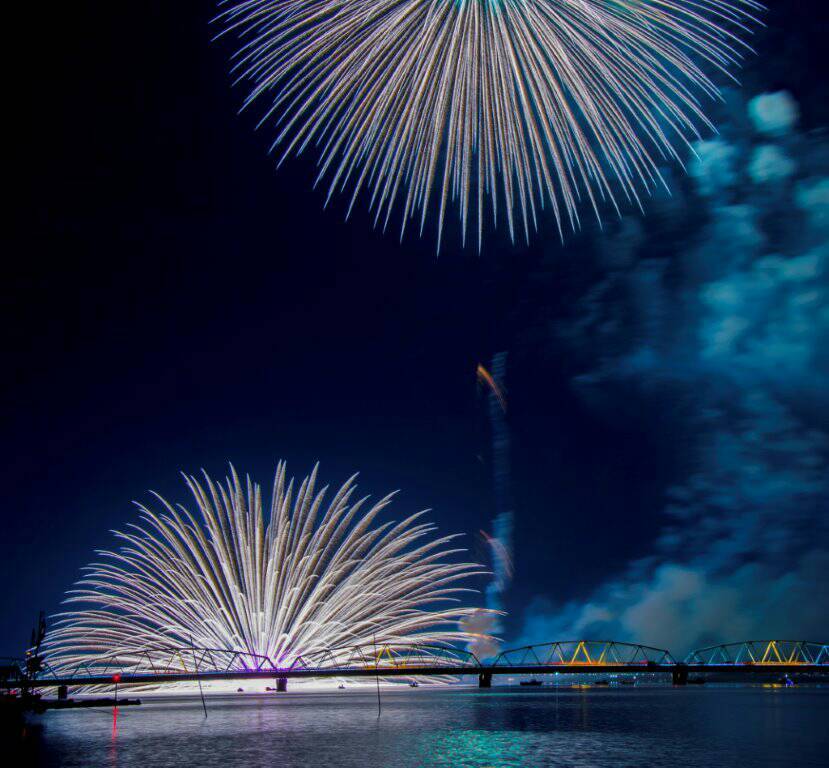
(735, 322)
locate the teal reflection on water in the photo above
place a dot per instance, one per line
(477, 748)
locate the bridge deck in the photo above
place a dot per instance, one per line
(426, 671)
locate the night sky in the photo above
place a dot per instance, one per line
(171, 303)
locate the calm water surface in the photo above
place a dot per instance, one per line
(711, 727)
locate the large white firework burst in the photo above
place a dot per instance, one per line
(526, 101)
(307, 577)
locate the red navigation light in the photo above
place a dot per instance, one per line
(116, 678)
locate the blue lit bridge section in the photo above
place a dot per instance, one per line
(769, 653)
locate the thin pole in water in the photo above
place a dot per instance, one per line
(196, 665)
(376, 674)
(116, 678)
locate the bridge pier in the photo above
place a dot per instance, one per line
(679, 674)
(281, 684)
(485, 680)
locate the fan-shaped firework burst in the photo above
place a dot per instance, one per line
(308, 578)
(530, 101)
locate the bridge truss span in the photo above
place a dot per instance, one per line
(768, 653)
(586, 653)
(163, 665)
(383, 657)
(164, 661)
(389, 659)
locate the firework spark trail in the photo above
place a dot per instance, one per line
(306, 579)
(531, 101)
(485, 378)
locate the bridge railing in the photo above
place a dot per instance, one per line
(584, 652)
(762, 652)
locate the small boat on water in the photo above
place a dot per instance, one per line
(340, 687)
(414, 684)
(532, 682)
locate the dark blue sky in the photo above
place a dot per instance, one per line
(170, 302)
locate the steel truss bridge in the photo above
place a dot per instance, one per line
(167, 665)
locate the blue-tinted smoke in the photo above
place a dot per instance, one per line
(735, 318)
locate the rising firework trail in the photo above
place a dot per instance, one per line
(486, 379)
(306, 577)
(486, 623)
(501, 539)
(526, 102)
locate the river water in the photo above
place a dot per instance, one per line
(714, 727)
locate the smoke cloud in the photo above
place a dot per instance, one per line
(737, 322)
